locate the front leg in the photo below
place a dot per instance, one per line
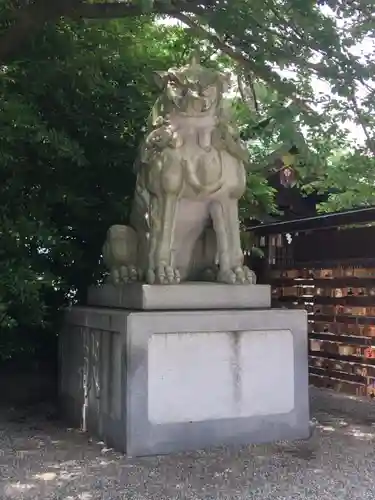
(120, 254)
(224, 215)
(153, 237)
(218, 212)
(162, 269)
(243, 273)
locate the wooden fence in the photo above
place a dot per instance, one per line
(327, 266)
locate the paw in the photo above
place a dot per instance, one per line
(124, 274)
(244, 275)
(114, 277)
(240, 275)
(250, 276)
(163, 275)
(228, 277)
(128, 274)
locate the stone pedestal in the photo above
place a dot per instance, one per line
(150, 382)
(186, 296)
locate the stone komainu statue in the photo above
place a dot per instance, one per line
(184, 223)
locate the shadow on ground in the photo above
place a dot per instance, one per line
(41, 459)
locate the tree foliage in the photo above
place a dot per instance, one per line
(71, 118)
(289, 46)
(312, 64)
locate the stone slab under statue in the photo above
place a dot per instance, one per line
(180, 349)
(193, 296)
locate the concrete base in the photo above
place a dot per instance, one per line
(160, 382)
(185, 296)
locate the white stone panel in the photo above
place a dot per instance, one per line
(200, 376)
(189, 377)
(267, 372)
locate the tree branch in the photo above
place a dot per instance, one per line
(113, 10)
(29, 20)
(369, 141)
(265, 74)
(108, 10)
(248, 94)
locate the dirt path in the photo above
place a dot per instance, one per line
(44, 460)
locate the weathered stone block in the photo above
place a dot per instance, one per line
(183, 296)
(162, 381)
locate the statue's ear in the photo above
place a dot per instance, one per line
(161, 78)
(225, 81)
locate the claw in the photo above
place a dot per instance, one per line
(240, 275)
(165, 275)
(237, 275)
(250, 275)
(160, 275)
(133, 275)
(115, 277)
(170, 274)
(124, 275)
(177, 276)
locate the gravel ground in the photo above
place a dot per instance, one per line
(41, 459)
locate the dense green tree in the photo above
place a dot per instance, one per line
(71, 118)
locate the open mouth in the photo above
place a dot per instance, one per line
(196, 105)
